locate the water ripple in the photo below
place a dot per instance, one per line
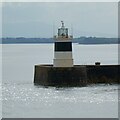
(49, 96)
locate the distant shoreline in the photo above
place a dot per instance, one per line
(52, 43)
(81, 40)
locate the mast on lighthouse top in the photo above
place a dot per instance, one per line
(62, 24)
(63, 33)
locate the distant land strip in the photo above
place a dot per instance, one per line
(80, 40)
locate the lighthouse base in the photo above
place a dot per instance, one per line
(79, 75)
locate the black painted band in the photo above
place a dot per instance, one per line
(63, 46)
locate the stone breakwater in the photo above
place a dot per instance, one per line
(79, 75)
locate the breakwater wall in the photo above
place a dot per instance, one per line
(79, 75)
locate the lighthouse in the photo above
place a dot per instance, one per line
(62, 73)
(63, 48)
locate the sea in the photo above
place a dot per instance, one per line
(22, 99)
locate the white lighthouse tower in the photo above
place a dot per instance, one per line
(63, 48)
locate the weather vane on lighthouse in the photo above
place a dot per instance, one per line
(63, 48)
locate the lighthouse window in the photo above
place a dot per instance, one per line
(63, 46)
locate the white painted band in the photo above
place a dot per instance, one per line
(63, 62)
(63, 40)
(63, 55)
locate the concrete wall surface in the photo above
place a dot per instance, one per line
(79, 75)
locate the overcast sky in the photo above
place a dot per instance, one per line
(36, 19)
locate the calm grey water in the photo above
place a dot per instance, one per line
(22, 99)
